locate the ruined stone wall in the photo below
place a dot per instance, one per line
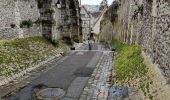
(28, 10)
(161, 37)
(13, 12)
(7, 17)
(150, 28)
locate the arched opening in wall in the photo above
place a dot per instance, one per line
(73, 18)
(72, 7)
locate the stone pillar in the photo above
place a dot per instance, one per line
(18, 20)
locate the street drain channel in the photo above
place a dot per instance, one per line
(50, 93)
(84, 72)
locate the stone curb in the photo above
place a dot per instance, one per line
(98, 85)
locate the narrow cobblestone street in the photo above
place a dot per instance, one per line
(85, 50)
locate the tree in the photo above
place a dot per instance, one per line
(103, 4)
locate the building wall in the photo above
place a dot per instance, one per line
(150, 29)
(92, 20)
(28, 10)
(86, 24)
(97, 26)
(14, 12)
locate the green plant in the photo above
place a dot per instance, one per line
(76, 39)
(55, 43)
(13, 25)
(129, 62)
(59, 26)
(48, 22)
(40, 3)
(68, 41)
(50, 10)
(150, 97)
(26, 23)
(135, 15)
(141, 8)
(38, 21)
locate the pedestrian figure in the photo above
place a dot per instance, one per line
(90, 43)
(93, 40)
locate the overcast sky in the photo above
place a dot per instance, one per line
(94, 2)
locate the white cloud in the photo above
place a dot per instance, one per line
(94, 2)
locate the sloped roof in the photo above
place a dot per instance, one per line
(85, 10)
(95, 14)
(101, 14)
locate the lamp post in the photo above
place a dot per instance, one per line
(59, 4)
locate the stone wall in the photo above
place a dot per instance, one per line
(7, 15)
(29, 11)
(8, 33)
(65, 20)
(13, 12)
(149, 28)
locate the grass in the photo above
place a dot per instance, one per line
(129, 62)
(19, 54)
(130, 68)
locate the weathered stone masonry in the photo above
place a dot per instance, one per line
(14, 12)
(149, 28)
(52, 18)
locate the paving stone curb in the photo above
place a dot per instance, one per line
(98, 85)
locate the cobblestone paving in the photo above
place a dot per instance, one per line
(98, 85)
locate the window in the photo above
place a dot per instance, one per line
(83, 15)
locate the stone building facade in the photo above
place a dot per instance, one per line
(86, 22)
(25, 18)
(93, 18)
(145, 23)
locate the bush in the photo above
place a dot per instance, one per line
(55, 43)
(141, 8)
(68, 41)
(48, 22)
(40, 4)
(76, 39)
(51, 10)
(26, 23)
(38, 21)
(13, 25)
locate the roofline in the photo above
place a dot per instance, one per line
(86, 10)
(100, 15)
